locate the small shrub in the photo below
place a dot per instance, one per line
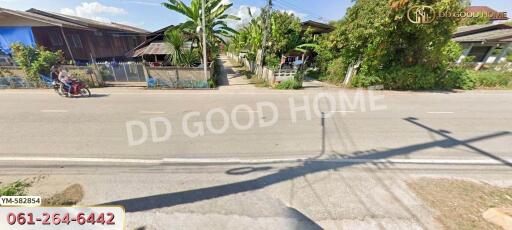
(17, 188)
(289, 84)
(457, 78)
(417, 78)
(492, 79)
(509, 57)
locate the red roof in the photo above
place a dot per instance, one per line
(494, 15)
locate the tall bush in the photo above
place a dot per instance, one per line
(35, 61)
(392, 50)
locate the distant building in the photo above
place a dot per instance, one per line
(154, 49)
(486, 43)
(317, 28)
(82, 40)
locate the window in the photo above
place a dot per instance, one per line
(55, 39)
(74, 41)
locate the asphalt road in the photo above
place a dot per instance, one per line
(353, 175)
(471, 125)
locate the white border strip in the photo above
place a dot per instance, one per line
(251, 161)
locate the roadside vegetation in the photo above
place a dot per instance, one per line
(293, 83)
(460, 204)
(377, 38)
(185, 40)
(35, 61)
(285, 35)
(17, 188)
(491, 79)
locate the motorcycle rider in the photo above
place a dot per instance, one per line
(65, 78)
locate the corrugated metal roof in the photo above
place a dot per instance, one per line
(466, 30)
(88, 22)
(43, 19)
(155, 48)
(499, 35)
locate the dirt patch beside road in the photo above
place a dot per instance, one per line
(460, 204)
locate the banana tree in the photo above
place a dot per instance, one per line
(217, 18)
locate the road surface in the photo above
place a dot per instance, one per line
(347, 172)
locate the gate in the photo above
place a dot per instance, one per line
(122, 72)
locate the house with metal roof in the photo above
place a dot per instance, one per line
(486, 43)
(81, 40)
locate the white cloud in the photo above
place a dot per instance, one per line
(302, 16)
(93, 10)
(245, 17)
(243, 13)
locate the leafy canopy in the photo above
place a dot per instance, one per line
(379, 36)
(217, 18)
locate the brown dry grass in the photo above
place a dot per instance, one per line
(70, 196)
(460, 204)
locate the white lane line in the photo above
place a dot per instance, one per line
(253, 161)
(151, 112)
(82, 160)
(343, 111)
(53, 111)
(440, 112)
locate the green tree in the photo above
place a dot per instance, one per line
(217, 28)
(285, 35)
(175, 42)
(392, 50)
(35, 61)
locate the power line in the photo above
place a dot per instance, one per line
(285, 4)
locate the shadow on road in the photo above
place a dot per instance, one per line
(307, 167)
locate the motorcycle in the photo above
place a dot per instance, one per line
(78, 88)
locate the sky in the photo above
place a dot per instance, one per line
(150, 15)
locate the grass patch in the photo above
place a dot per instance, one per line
(17, 188)
(289, 84)
(460, 204)
(492, 79)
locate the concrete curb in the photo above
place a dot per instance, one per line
(254, 161)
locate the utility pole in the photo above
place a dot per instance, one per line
(205, 56)
(268, 18)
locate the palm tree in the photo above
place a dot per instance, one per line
(217, 28)
(179, 54)
(175, 42)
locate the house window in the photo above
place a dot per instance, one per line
(74, 41)
(479, 52)
(55, 39)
